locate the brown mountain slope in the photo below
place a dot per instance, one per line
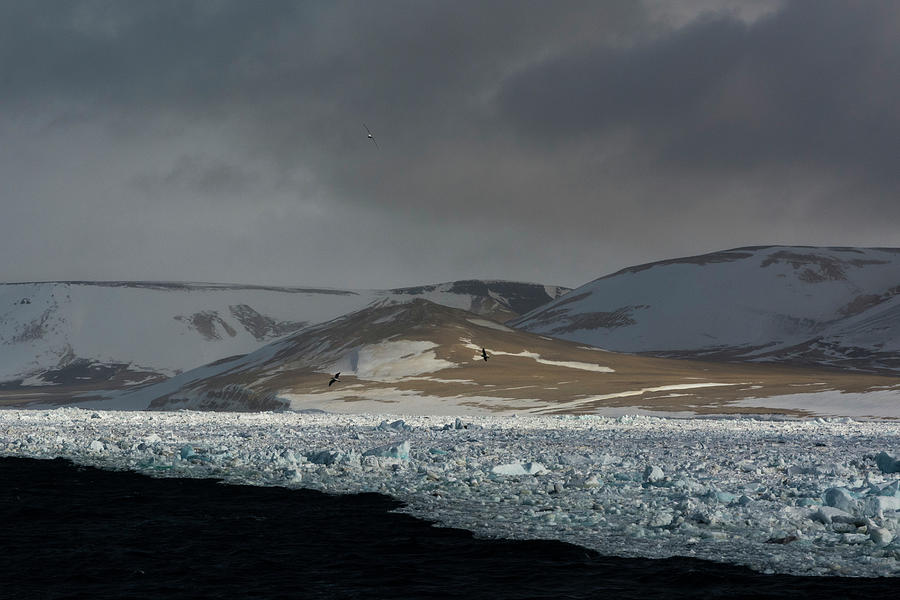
(425, 358)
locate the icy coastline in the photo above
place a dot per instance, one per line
(807, 497)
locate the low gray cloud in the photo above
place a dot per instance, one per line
(553, 142)
(198, 175)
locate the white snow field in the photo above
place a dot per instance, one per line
(810, 497)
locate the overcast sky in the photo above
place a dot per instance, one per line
(552, 142)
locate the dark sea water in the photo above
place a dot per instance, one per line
(75, 532)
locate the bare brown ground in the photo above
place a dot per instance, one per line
(521, 378)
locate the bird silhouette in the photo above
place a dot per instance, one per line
(484, 355)
(370, 136)
(335, 377)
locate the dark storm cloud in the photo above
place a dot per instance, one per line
(812, 83)
(358, 55)
(534, 140)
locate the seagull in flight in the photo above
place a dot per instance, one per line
(484, 354)
(335, 377)
(370, 136)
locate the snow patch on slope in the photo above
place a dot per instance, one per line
(490, 324)
(629, 393)
(390, 361)
(569, 364)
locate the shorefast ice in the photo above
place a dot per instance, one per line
(810, 497)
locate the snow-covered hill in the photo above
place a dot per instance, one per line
(836, 307)
(117, 334)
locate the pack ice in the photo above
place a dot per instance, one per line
(811, 497)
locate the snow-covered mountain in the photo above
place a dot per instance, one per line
(115, 334)
(836, 307)
(423, 358)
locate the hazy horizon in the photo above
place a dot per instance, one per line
(301, 285)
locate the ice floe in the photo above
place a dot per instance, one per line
(814, 496)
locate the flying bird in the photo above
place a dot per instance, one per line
(484, 355)
(370, 136)
(335, 377)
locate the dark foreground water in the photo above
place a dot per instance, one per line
(75, 532)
